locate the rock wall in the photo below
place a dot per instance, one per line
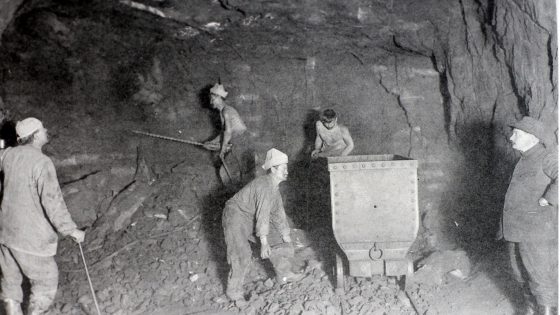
(526, 32)
(496, 61)
(7, 10)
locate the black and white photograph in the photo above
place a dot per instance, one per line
(282, 157)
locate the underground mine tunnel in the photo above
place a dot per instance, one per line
(434, 82)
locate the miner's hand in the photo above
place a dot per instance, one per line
(211, 146)
(265, 250)
(543, 202)
(222, 154)
(78, 235)
(315, 154)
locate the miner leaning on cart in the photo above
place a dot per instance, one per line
(530, 216)
(258, 208)
(32, 212)
(333, 139)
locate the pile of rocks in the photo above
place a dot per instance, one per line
(175, 264)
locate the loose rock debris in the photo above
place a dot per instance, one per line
(178, 264)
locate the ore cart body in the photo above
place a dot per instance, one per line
(375, 218)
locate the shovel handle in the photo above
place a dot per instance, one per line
(226, 168)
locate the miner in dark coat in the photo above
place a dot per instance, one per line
(530, 214)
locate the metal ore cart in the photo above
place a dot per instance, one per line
(375, 218)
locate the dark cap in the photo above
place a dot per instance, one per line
(532, 126)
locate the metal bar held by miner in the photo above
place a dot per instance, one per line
(166, 137)
(210, 146)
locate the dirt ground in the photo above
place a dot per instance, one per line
(170, 260)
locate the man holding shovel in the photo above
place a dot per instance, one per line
(233, 131)
(257, 209)
(32, 212)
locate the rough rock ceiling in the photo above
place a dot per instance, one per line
(7, 10)
(217, 13)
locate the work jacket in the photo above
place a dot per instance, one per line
(260, 203)
(32, 208)
(534, 176)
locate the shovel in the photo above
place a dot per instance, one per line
(227, 174)
(231, 171)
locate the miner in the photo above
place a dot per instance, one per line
(333, 139)
(257, 209)
(233, 131)
(530, 214)
(31, 213)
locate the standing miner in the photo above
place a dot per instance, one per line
(233, 131)
(333, 139)
(530, 216)
(257, 208)
(32, 211)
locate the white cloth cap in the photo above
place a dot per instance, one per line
(28, 126)
(219, 90)
(274, 157)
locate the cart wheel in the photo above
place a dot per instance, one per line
(339, 272)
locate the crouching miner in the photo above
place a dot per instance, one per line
(258, 206)
(530, 213)
(31, 213)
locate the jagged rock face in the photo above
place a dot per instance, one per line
(433, 80)
(496, 62)
(7, 10)
(526, 31)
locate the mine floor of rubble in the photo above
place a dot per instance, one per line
(171, 260)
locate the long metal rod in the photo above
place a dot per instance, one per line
(89, 280)
(154, 135)
(166, 137)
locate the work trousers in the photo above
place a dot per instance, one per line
(540, 260)
(42, 273)
(238, 231)
(243, 150)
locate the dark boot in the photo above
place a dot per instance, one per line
(12, 307)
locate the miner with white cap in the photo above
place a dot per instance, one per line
(233, 131)
(530, 214)
(257, 209)
(31, 214)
